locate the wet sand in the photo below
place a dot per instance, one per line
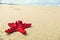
(45, 22)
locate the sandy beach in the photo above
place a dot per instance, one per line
(45, 22)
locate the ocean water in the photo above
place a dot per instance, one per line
(32, 2)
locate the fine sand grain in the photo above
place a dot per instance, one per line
(45, 22)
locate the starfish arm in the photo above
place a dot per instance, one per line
(11, 24)
(22, 30)
(9, 30)
(26, 25)
(20, 22)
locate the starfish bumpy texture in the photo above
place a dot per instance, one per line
(18, 26)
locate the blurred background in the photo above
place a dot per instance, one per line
(31, 2)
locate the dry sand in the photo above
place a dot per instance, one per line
(45, 22)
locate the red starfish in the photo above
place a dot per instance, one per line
(18, 26)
